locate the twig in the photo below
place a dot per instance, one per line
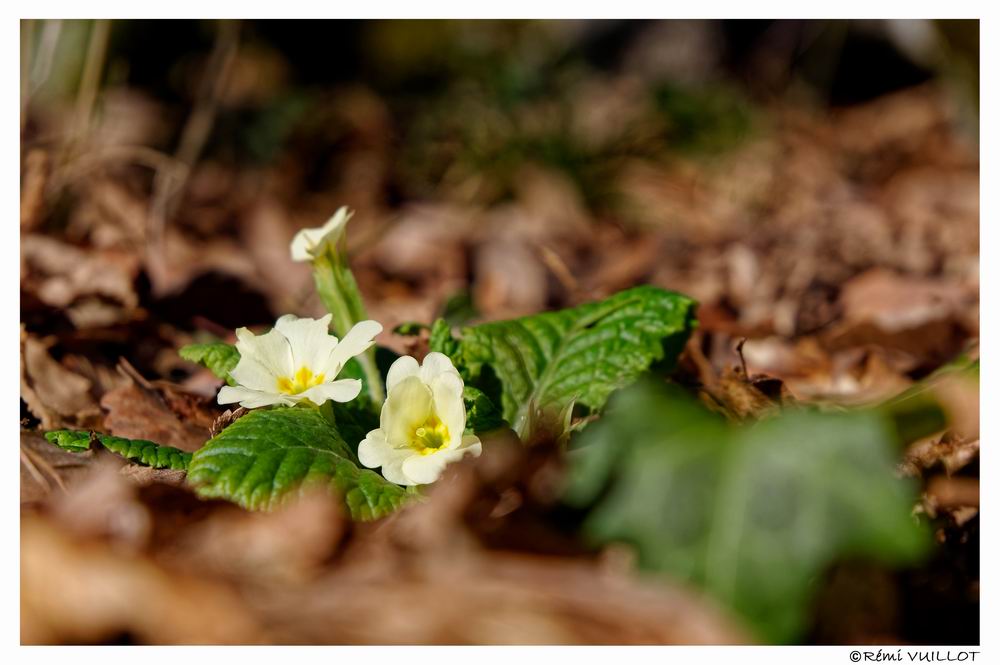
(33, 470)
(33, 461)
(559, 268)
(126, 368)
(97, 49)
(167, 185)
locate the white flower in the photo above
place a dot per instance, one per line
(422, 423)
(297, 360)
(310, 243)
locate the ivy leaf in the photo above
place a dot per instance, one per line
(546, 362)
(220, 358)
(269, 455)
(752, 514)
(136, 450)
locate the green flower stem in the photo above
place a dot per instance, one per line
(339, 293)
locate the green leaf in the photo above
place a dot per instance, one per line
(410, 328)
(339, 292)
(918, 411)
(220, 358)
(546, 362)
(481, 414)
(441, 339)
(752, 514)
(137, 450)
(353, 420)
(270, 455)
(460, 309)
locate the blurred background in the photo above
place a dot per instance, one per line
(813, 184)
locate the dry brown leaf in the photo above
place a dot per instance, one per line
(953, 492)
(284, 547)
(511, 279)
(80, 281)
(951, 451)
(918, 316)
(46, 468)
(103, 504)
(168, 417)
(76, 592)
(55, 395)
(480, 597)
(425, 241)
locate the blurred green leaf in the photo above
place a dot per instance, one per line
(917, 411)
(708, 120)
(752, 514)
(460, 309)
(410, 328)
(441, 339)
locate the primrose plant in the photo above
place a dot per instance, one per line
(321, 412)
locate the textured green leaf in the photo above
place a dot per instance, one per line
(753, 514)
(481, 414)
(546, 362)
(269, 455)
(220, 358)
(136, 450)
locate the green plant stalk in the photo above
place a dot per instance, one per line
(341, 297)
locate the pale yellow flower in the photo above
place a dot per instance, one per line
(310, 243)
(295, 361)
(422, 423)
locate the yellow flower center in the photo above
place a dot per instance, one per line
(303, 380)
(430, 436)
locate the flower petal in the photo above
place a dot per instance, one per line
(310, 341)
(450, 406)
(407, 407)
(425, 469)
(471, 445)
(249, 373)
(436, 364)
(309, 243)
(270, 350)
(251, 399)
(373, 449)
(301, 244)
(357, 340)
(343, 390)
(375, 452)
(403, 367)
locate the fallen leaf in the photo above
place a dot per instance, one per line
(56, 396)
(75, 592)
(46, 468)
(157, 414)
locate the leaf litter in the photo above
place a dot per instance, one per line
(834, 257)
